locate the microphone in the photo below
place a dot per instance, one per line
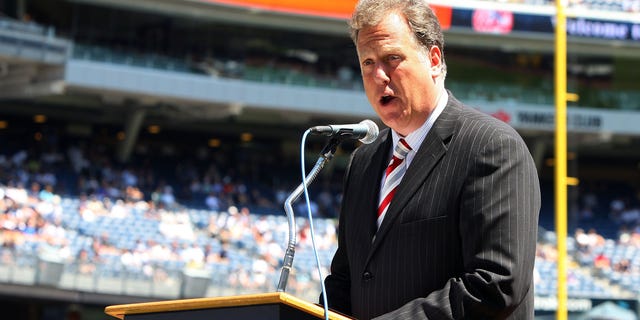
(366, 131)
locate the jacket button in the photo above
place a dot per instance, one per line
(366, 276)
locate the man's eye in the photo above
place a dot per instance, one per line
(393, 58)
(367, 63)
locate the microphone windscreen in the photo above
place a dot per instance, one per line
(372, 131)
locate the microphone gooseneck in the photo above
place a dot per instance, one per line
(326, 156)
(366, 131)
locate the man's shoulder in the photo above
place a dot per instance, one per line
(476, 119)
(477, 126)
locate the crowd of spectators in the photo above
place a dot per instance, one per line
(242, 245)
(618, 204)
(604, 242)
(85, 209)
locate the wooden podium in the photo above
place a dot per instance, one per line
(266, 306)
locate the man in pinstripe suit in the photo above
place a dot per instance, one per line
(458, 238)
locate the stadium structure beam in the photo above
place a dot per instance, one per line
(132, 128)
(561, 156)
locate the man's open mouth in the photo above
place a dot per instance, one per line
(386, 100)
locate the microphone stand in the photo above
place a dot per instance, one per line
(325, 156)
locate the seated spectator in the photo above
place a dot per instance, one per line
(601, 261)
(167, 198)
(616, 207)
(212, 201)
(630, 216)
(86, 264)
(622, 266)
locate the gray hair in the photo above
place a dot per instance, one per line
(422, 21)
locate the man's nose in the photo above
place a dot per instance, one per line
(381, 76)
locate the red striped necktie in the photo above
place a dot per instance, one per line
(392, 177)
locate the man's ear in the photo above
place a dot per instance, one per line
(435, 59)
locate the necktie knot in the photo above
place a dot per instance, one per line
(402, 149)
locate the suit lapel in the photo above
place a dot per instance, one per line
(375, 162)
(430, 152)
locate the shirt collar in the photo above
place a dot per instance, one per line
(415, 138)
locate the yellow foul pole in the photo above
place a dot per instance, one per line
(561, 156)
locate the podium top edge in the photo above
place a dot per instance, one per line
(120, 311)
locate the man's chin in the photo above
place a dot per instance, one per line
(390, 121)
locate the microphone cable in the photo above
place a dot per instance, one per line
(313, 238)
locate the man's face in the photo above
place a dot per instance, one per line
(399, 76)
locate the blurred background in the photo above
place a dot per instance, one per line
(147, 147)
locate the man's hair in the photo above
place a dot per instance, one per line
(422, 21)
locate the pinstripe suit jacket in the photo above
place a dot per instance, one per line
(458, 240)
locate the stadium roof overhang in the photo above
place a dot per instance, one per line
(530, 30)
(31, 61)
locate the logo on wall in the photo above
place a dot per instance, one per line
(492, 21)
(502, 115)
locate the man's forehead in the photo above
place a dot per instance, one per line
(391, 28)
